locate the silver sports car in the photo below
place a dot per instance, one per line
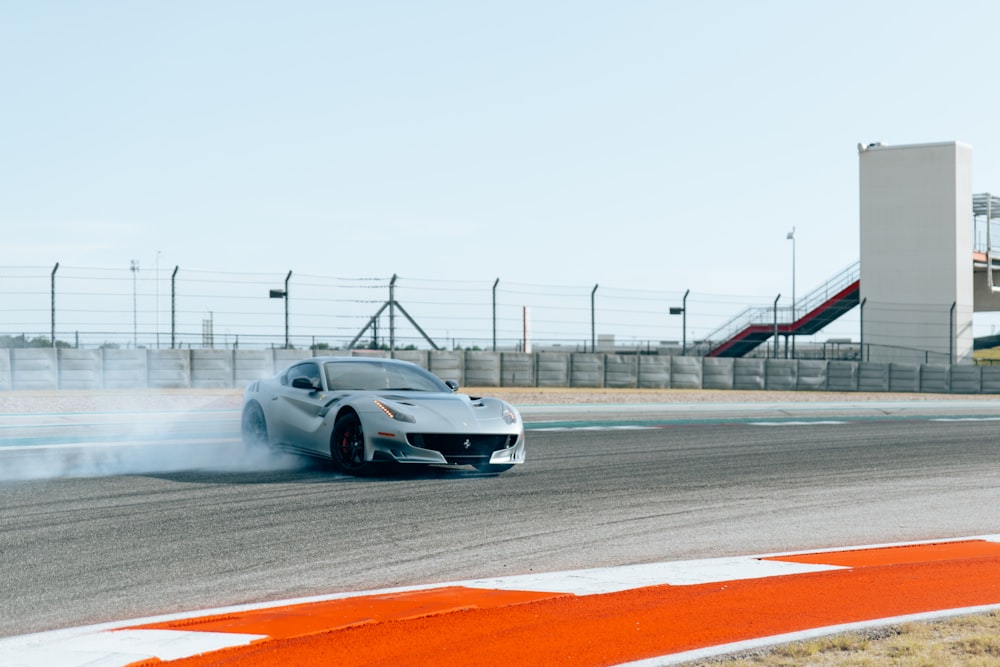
(360, 411)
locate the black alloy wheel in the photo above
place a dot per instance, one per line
(252, 426)
(347, 447)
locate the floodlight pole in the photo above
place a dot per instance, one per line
(791, 236)
(674, 310)
(173, 305)
(392, 314)
(283, 294)
(684, 320)
(158, 253)
(134, 268)
(593, 337)
(287, 278)
(495, 283)
(53, 294)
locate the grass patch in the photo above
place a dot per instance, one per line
(972, 641)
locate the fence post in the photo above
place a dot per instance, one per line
(593, 337)
(776, 325)
(53, 293)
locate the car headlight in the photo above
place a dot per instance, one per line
(398, 415)
(508, 414)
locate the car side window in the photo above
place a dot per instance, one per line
(308, 369)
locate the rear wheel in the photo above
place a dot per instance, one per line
(252, 425)
(492, 468)
(347, 447)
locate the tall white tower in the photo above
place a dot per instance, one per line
(916, 252)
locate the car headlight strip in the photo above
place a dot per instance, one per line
(398, 415)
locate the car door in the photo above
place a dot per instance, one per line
(293, 413)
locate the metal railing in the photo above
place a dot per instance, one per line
(766, 315)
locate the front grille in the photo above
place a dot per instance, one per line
(458, 448)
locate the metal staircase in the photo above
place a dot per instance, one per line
(811, 313)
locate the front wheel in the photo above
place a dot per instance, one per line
(253, 428)
(493, 469)
(347, 447)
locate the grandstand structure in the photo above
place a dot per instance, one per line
(927, 263)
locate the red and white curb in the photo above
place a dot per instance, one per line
(126, 642)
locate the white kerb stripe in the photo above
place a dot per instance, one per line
(122, 647)
(678, 573)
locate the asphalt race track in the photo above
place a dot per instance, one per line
(83, 550)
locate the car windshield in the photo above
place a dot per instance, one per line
(378, 376)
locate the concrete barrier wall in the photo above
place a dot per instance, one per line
(127, 369)
(989, 380)
(812, 375)
(212, 369)
(482, 369)
(520, 369)
(842, 376)
(80, 369)
(419, 357)
(935, 379)
(71, 369)
(586, 370)
(717, 373)
(781, 374)
(171, 369)
(904, 377)
(966, 379)
(448, 365)
(748, 374)
(34, 369)
(553, 370)
(873, 376)
(685, 372)
(5, 380)
(621, 371)
(251, 365)
(285, 358)
(654, 372)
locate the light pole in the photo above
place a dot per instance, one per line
(683, 312)
(158, 253)
(134, 268)
(495, 283)
(791, 236)
(53, 296)
(593, 337)
(283, 294)
(173, 306)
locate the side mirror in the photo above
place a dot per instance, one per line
(302, 382)
(452, 385)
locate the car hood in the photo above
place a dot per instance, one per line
(454, 409)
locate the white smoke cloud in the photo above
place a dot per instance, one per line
(97, 459)
(101, 444)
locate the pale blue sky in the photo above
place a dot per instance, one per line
(660, 145)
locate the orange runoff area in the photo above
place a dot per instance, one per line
(456, 626)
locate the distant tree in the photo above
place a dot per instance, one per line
(23, 341)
